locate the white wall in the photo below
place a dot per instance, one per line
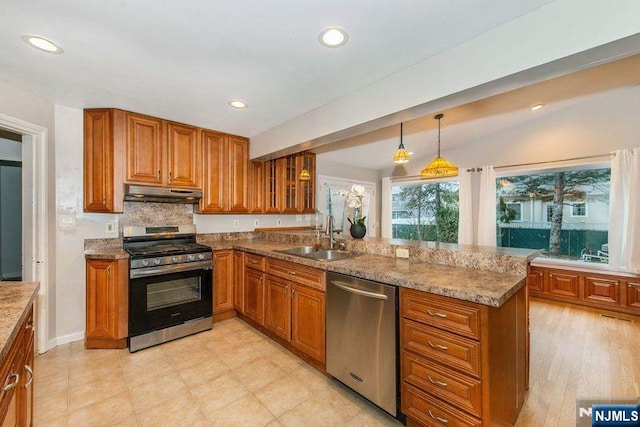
(553, 31)
(31, 108)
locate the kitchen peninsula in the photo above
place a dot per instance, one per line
(463, 314)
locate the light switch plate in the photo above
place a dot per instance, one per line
(236, 223)
(402, 252)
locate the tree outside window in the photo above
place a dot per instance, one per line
(429, 212)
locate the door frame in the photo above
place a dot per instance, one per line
(35, 229)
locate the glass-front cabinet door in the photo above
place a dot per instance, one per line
(290, 184)
(307, 196)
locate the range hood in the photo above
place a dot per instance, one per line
(143, 193)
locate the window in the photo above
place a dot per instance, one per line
(426, 212)
(331, 200)
(527, 203)
(579, 209)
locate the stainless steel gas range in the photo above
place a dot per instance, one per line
(170, 284)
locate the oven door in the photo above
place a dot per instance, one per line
(160, 301)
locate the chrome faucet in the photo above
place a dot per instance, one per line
(329, 231)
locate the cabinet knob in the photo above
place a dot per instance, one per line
(158, 173)
(293, 273)
(170, 176)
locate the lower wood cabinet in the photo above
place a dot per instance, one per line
(107, 308)
(238, 281)
(254, 294)
(610, 291)
(308, 321)
(16, 378)
(462, 363)
(223, 278)
(278, 306)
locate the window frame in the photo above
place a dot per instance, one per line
(586, 210)
(519, 203)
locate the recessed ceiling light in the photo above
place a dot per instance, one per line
(333, 37)
(537, 107)
(238, 104)
(42, 44)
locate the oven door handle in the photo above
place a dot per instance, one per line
(165, 269)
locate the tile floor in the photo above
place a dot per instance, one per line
(230, 376)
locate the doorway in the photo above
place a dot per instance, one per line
(32, 201)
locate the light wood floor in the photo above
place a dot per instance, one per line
(576, 353)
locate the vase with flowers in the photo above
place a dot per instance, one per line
(354, 200)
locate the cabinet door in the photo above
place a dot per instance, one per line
(107, 299)
(215, 173)
(98, 161)
(256, 187)
(223, 281)
(535, 281)
(290, 184)
(602, 291)
(278, 307)
(183, 152)
(238, 174)
(633, 295)
(308, 321)
(254, 295)
(10, 374)
(144, 150)
(27, 382)
(564, 285)
(273, 186)
(238, 285)
(307, 189)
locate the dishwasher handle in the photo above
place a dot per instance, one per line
(348, 288)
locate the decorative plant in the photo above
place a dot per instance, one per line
(354, 200)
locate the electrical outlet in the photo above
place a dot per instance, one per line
(298, 218)
(402, 252)
(279, 222)
(256, 223)
(110, 227)
(236, 223)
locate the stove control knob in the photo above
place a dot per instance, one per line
(145, 262)
(175, 259)
(190, 257)
(156, 261)
(200, 256)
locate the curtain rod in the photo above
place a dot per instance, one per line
(594, 156)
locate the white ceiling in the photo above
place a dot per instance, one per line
(465, 124)
(185, 60)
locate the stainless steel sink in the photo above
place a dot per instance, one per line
(317, 253)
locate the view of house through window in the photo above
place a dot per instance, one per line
(564, 214)
(425, 211)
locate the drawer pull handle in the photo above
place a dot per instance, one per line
(29, 325)
(293, 273)
(13, 384)
(442, 420)
(436, 314)
(440, 383)
(253, 261)
(30, 371)
(437, 346)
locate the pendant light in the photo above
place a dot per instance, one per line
(401, 155)
(439, 167)
(304, 173)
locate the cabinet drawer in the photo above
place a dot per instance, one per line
(257, 262)
(451, 350)
(458, 317)
(457, 389)
(297, 273)
(430, 411)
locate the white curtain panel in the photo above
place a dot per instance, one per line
(465, 220)
(624, 211)
(385, 221)
(487, 207)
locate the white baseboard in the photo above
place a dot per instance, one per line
(64, 339)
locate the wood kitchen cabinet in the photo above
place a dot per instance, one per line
(223, 274)
(107, 303)
(254, 287)
(256, 187)
(307, 190)
(283, 190)
(462, 363)
(600, 289)
(162, 153)
(16, 376)
(225, 161)
(278, 306)
(238, 281)
(104, 134)
(290, 185)
(308, 321)
(273, 185)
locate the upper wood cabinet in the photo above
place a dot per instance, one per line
(290, 184)
(104, 134)
(256, 187)
(226, 173)
(284, 192)
(307, 190)
(162, 153)
(273, 185)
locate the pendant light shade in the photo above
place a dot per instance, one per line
(401, 155)
(304, 175)
(439, 167)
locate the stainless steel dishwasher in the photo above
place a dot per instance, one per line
(362, 338)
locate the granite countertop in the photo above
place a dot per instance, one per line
(479, 286)
(15, 298)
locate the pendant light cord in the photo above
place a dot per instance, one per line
(439, 119)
